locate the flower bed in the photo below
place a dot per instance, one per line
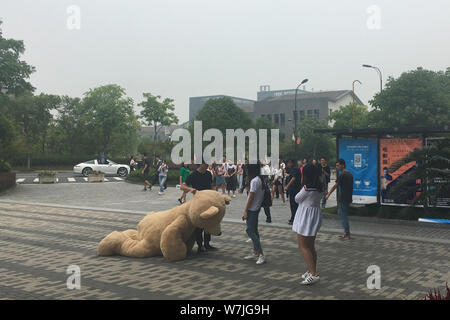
(47, 176)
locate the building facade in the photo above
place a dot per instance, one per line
(279, 109)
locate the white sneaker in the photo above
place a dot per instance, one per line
(160, 193)
(251, 256)
(261, 260)
(305, 275)
(310, 279)
(234, 196)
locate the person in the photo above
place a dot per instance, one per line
(308, 220)
(293, 187)
(278, 183)
(184, 173)
(265, 176)
(155, 165)
(200, 179)
(244, 176)
(133, 164)
(344, 184)
(145, 172)
(220, 177)
(240, 172)
(162, 175)
(314, 162)
(231, 178)
(326, 172)
(251, 212)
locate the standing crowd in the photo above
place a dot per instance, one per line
(303, 184)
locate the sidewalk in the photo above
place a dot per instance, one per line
(40, 242)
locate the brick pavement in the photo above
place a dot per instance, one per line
(39, 243)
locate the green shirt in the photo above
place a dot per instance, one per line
(184, 173)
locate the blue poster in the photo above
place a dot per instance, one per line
(361, 158)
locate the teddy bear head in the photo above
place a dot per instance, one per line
(207, 209)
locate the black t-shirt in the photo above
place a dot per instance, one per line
(147, 162)
(296, 186)
(345, 187)
(200, 181)
(328, 171)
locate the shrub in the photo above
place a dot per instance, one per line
(47, 173)
(4, 166)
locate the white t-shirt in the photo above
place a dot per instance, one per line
(258, 197)
(265, 170)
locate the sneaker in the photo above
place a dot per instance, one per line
(210, 248)
(201, 250)
(180, 201)
(160, 193)
(234, 196)
(290, 222)
(261, 260)
(269, 220)
(310, 279)
(251, 256)
(145, 189)
(305, 275)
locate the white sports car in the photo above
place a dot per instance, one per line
(109, 167)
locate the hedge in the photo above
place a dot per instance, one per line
(173, 176)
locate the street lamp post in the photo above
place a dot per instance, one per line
(379, 73)
(295, 115)
(353, 105)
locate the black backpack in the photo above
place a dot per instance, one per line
(267, 200)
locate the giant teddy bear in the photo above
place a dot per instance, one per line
(170, 232)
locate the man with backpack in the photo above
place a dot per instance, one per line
(267, 201)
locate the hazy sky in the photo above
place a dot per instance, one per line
(189, 48)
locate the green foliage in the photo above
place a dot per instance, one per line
(418, 98)
(13, 71)
(343, 117)
(4, 166)
(152, 148)
(47, 173)
(156, 113)
(312, 145)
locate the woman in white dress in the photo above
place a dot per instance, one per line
(308, 219)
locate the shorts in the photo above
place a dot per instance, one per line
(145, 176)
(278, 183)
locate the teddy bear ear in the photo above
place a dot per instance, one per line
(227, 199)
(212, 211)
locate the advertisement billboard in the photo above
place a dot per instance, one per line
(392, 150)
(360, 156)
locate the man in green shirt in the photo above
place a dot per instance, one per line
(184, 173)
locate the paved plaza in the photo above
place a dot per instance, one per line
(46, 228)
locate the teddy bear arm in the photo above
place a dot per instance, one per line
(173, 246)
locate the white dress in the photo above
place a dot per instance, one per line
(308, 217)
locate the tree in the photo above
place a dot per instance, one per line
(156, 113)
(108, 114)
(312, 145)
(343, 117)
(13, 71)
(418, 98)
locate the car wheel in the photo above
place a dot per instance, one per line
(123, 172)
(85, 171)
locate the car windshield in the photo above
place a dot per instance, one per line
(89, 162)
(110, 162)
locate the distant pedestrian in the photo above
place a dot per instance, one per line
(344, 184)
(308, 220)
(293, 187)
(145, 172)
(244, 176)
(220, 177)
(251, 212)
(155, 165)
(239, 175)
(278, 183)
(184, 173)
(265, 176)
(231, 180)
(133, 164)
(162, 174)
(326, 172)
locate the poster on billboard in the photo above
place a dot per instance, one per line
(360, 157)
(443, 198)
(392, 150)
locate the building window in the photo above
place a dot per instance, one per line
(302, 115)
(282, 119)
(276, 119)
(317, 113)
(295, 116)
(269, 117)
(309, 113)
